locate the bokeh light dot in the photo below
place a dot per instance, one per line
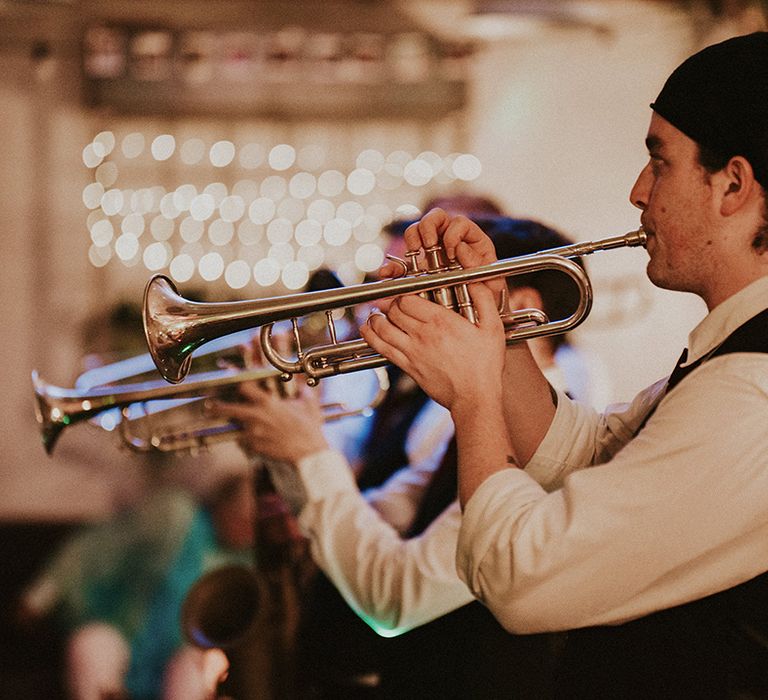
(417, 173)
(249, 233)
(251, 156)
(331, 183)
(211, 266)
(183, 196)
(190, 229)
(361, 181)
(133, 224)
(291, 209)
(93, 194)
(167, 206)
(182, 267)
(112, 202)
(282, 156)
(407, 211)
(261, 210)
(163, 147)
(156, 256)
(308, 232)
(266, 272)
(217, 190)
(99, 256)
(351, 211)
(321, 210)
(202, 207)
(222, 153)
(312, 256)
(126, 247)
(279, 231)
(221, 232)
(467, 167)
(105, 142)
(274, 187)
(237, 274)
(161, 228)
(371, 159)
(281, 253)
(132, 145)
(337, 232)
(192, 151)
(232, 208)
(102, 232)
(366, 229)
(295, 275)
(107, 173)
(369, 257)
(311, 157)
(302, 185)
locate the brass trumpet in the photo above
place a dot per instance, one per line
(181, 406)
(175, 327)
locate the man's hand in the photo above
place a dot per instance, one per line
(283, 429)
(453, 360)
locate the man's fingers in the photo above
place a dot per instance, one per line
(370, 334)
(485, 304)
(253, 392)
(427, 231)
(237, 411)
(466, 242)
(410, 312)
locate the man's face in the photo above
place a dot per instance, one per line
(675, 194)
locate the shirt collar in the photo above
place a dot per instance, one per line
(725, 318)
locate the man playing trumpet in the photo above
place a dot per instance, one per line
(645, 534)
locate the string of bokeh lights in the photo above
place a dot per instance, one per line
(293, 216)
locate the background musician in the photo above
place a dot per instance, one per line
(390, 550)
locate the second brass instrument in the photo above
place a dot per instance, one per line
(175, 327)
(172, 428)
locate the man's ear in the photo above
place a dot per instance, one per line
(738, 185)
(525, 298)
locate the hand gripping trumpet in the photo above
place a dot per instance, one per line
(175, 327)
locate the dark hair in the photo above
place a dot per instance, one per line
(515, 237)
(713, 161)
(322, 278)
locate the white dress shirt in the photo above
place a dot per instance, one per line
(673, 515)
(392, 583)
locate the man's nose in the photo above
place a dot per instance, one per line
(641, 189)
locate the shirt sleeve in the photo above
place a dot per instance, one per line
(392, 583)
(673, 515)
(398, 499)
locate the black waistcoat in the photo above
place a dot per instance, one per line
(716, 647)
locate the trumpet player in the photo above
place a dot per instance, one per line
(390, 551)
(646, 537)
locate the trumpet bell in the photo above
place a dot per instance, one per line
(164, 324)
(221, 609)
